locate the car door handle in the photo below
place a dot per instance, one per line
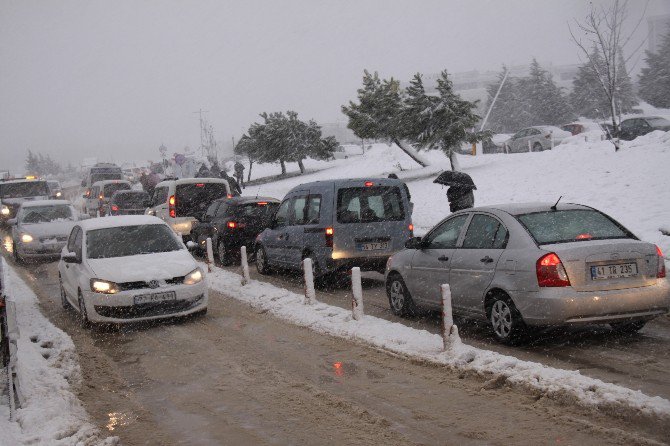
(487, 259)
(443, 259)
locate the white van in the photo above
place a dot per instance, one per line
(181, 202)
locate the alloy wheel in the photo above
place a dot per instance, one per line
(501, 319)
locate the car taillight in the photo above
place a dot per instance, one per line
(411, 230)
(172, 206)
(550, 272)
(329, 237)
(232, 224)
(369, 184)
(115, 208)
(660, 272)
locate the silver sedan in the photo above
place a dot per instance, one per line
(532, 265)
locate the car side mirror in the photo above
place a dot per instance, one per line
(12, 221)
(414, 243)
(70, 257)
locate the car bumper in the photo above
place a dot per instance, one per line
(560, 306)
(364, 263)
(121, 307)
(38, 250)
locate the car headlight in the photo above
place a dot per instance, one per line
(4, 210)
(193, 277)
(104, 286)
(26, 238)
(58, 194)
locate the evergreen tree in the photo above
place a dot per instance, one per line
(545, 100)
(655, 77)
(32, 163)
(510, 111)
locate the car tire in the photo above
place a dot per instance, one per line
(400, 300)
(537, 147)
(225, 259)
(628, 327)
(506, 320)
(262, 265)
(84, 322)
(63, 298)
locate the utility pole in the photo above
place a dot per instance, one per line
(203, 130)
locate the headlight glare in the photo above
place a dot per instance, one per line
(104, 286)
(193, 277)
(26, 238)
(4, 210)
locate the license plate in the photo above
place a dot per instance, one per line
(156, 297)
(614, 271)
(374, 246)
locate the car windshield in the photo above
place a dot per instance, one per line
(45, 214)
(571, 226)
(193, 199)
(132, 199)
(109, 189)
(125, 241)
(658, 122)
(369, 204)
(95, 177)
(23, 189)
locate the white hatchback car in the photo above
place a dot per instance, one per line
(128, 269)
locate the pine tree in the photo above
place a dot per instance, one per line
(655, 77)
(547, 105)
(32, 163)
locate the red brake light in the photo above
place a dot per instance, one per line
(172, 202)
(660, 272)
(584, 237)
(329, 237)
(369, 184)
(550, 272)
(232, 224)
(411, 229)
(229, 196)
(115, 207)
(200, 185)
(262, 203)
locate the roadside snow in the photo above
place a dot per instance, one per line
(47, 367)
(397, 338)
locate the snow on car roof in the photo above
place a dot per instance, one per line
(526, 208)
(193, 181)
(32, 203)
(117, 221)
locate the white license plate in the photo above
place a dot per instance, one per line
(614, 271)
(156, 297)
(374, 246)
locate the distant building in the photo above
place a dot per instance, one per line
(659, 26)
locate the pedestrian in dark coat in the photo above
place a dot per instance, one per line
(239, 173)
(460, 197)
(203, 172)
(235, 188)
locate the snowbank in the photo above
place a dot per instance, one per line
(47, 367)
(397, 338)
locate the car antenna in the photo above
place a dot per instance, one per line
(553, 208)
(258, 192)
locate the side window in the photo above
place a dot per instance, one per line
(313, 209)
(222, 209)
(628, 124)
(70, 240)
(211, 210)
(533, 132)
(77, 243)
(446, 235)
(160, 196)
(281, 218)
(500, 241)
(483, 233)
(299, 210)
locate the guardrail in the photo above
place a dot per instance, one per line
(9, 337)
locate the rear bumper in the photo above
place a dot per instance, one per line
(560, 306)
(377, 263)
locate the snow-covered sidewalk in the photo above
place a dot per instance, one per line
(563, 385)
(47, 367)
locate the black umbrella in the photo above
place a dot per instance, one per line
(455, 178)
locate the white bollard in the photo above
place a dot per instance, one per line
(357, 294)
(245, 265)
(448, 327)
(310, 294)
(210, 254)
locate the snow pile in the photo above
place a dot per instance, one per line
(397, 338)
(47, 367)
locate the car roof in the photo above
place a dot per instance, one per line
(32, 203)
(119, 221)
(526, 208)
(243, 200)
(106, 182)
(22, 180)
(130, 191)
(192, 181)
(350, 182)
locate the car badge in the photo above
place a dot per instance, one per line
(153, 284)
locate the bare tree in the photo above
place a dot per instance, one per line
(602, 33)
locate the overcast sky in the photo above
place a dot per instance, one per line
(115, 79)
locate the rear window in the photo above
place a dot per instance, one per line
(45, 214)
(194, 199)
(109, 189)
(23, 189)
(571, 226)
(95, 177)
(253, 210)
(132, 200)
(369, 204)
(130, 241)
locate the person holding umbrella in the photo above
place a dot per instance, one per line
(460, 193)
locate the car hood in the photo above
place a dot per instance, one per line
(144, 267)
(54, 228)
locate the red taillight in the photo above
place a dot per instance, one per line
(411, 230)
(550, 272)
(660, 271)
(369, 184)
(229, 196)
(329, 237)
(172, 208)
(232, 224)
(199, 184)
(262, 203)
(584, 237)
(115, 207)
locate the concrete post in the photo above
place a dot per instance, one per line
(447, 316)
(310, 294)
(245, 265)
(357, 293)
(210, 254)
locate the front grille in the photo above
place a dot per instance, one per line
(125, 286)
(148, 309)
